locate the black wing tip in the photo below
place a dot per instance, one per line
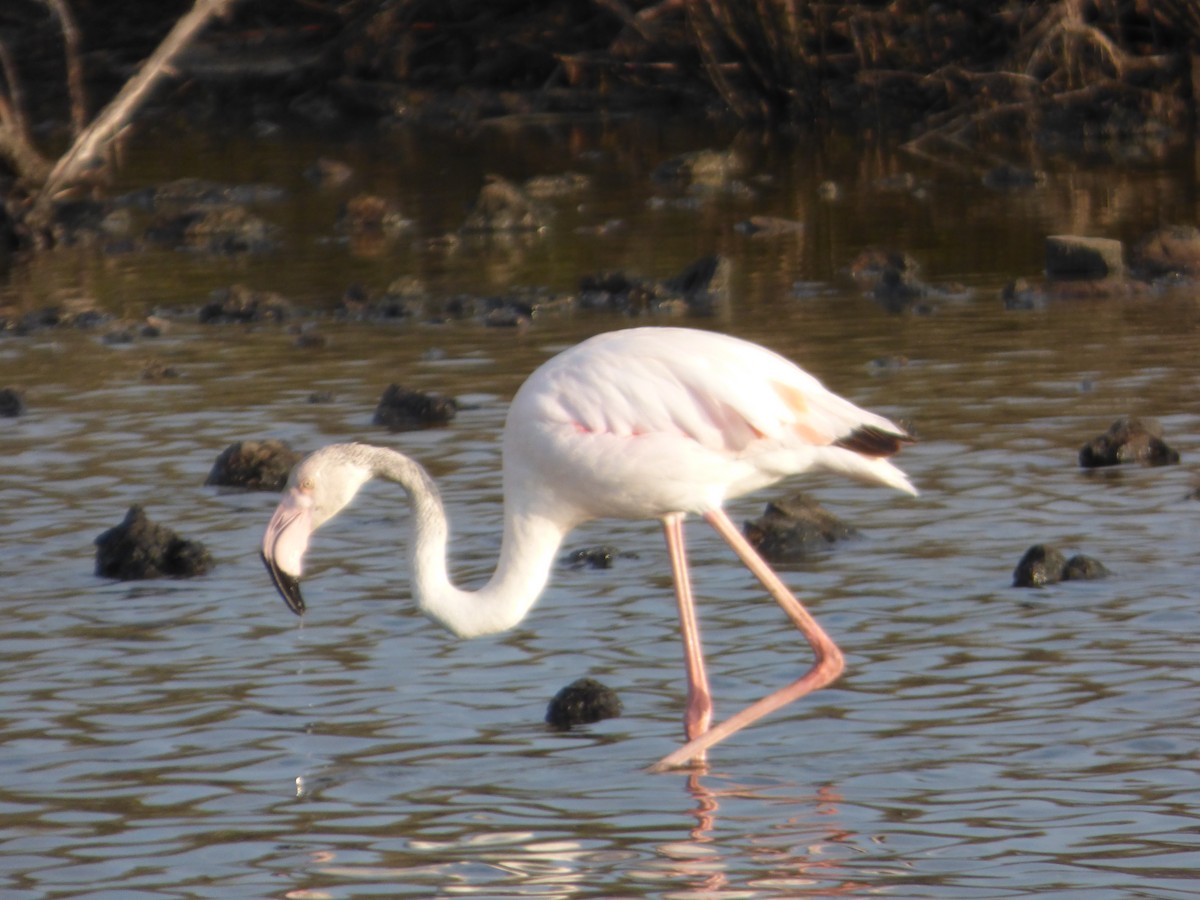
(287, 585)
(870, 440)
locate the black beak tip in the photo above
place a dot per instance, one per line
(287, 585)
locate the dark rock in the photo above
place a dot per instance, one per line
(794, 528)
(157, 370)
(1128, 440)
(582, 702)
(1084, 568)
(699, 289)
(701, 170)
(308, 339)
(1025, 293)
(12, 403)
(1072, 257)
(80, 313)
(254, 465)
(78, 221)
(595, 557)
(1041, 565)
(226, 229)
(240, 304)
(1172, 250)
(191, 192)
(401, 409)
(564, 185)
(368, 215)
(891, 277)
(703, 285)
(139, 548)
(769, 226)
(503, 206)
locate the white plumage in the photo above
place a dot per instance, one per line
(643, 423)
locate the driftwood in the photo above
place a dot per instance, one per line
(91, 143)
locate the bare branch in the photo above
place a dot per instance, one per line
(90, 145)
(16, 147)
(71, 41)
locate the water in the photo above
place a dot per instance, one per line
(193, 739)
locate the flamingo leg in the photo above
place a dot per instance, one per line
(827, 667)
(698, 715)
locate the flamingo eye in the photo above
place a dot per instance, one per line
(306, 485)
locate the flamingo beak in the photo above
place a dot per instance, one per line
(283, 546)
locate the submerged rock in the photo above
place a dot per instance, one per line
(371, 216)
(401, 409)
(1171, 250)
(891, 277)
(1076, 268)
(12, 403)
(504, 206)
(138, 549)
(1070, 256)
(769, 226)
(705, 171)
(582, 702)
(1026, 293)
(794, 528)
(601, 557)
(254, 465)
(226, 230)
(1130, 439)
(561, 185)
(699, 289)
(81, 312)
(240, 304)
(1043, 564)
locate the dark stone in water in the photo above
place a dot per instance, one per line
(503, 206)
(138, 549)
(12, 403)
(582, 702)
(401, 409)
(596, 557)
(1074, 257)
(893, 279)
(704, 170)
(254, 465)
(700, 289)
(562, 185)
(1084, 568)
(1171, 250)
(794, 528)
(1043, 564)
(240, 304)
(370, 214)
(224, 230)
(1128, 440)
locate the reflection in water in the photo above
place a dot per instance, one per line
(797, 853)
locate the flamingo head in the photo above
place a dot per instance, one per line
(317, 490)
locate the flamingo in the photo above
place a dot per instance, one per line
(643, 423)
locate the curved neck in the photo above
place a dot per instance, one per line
(527, 553)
